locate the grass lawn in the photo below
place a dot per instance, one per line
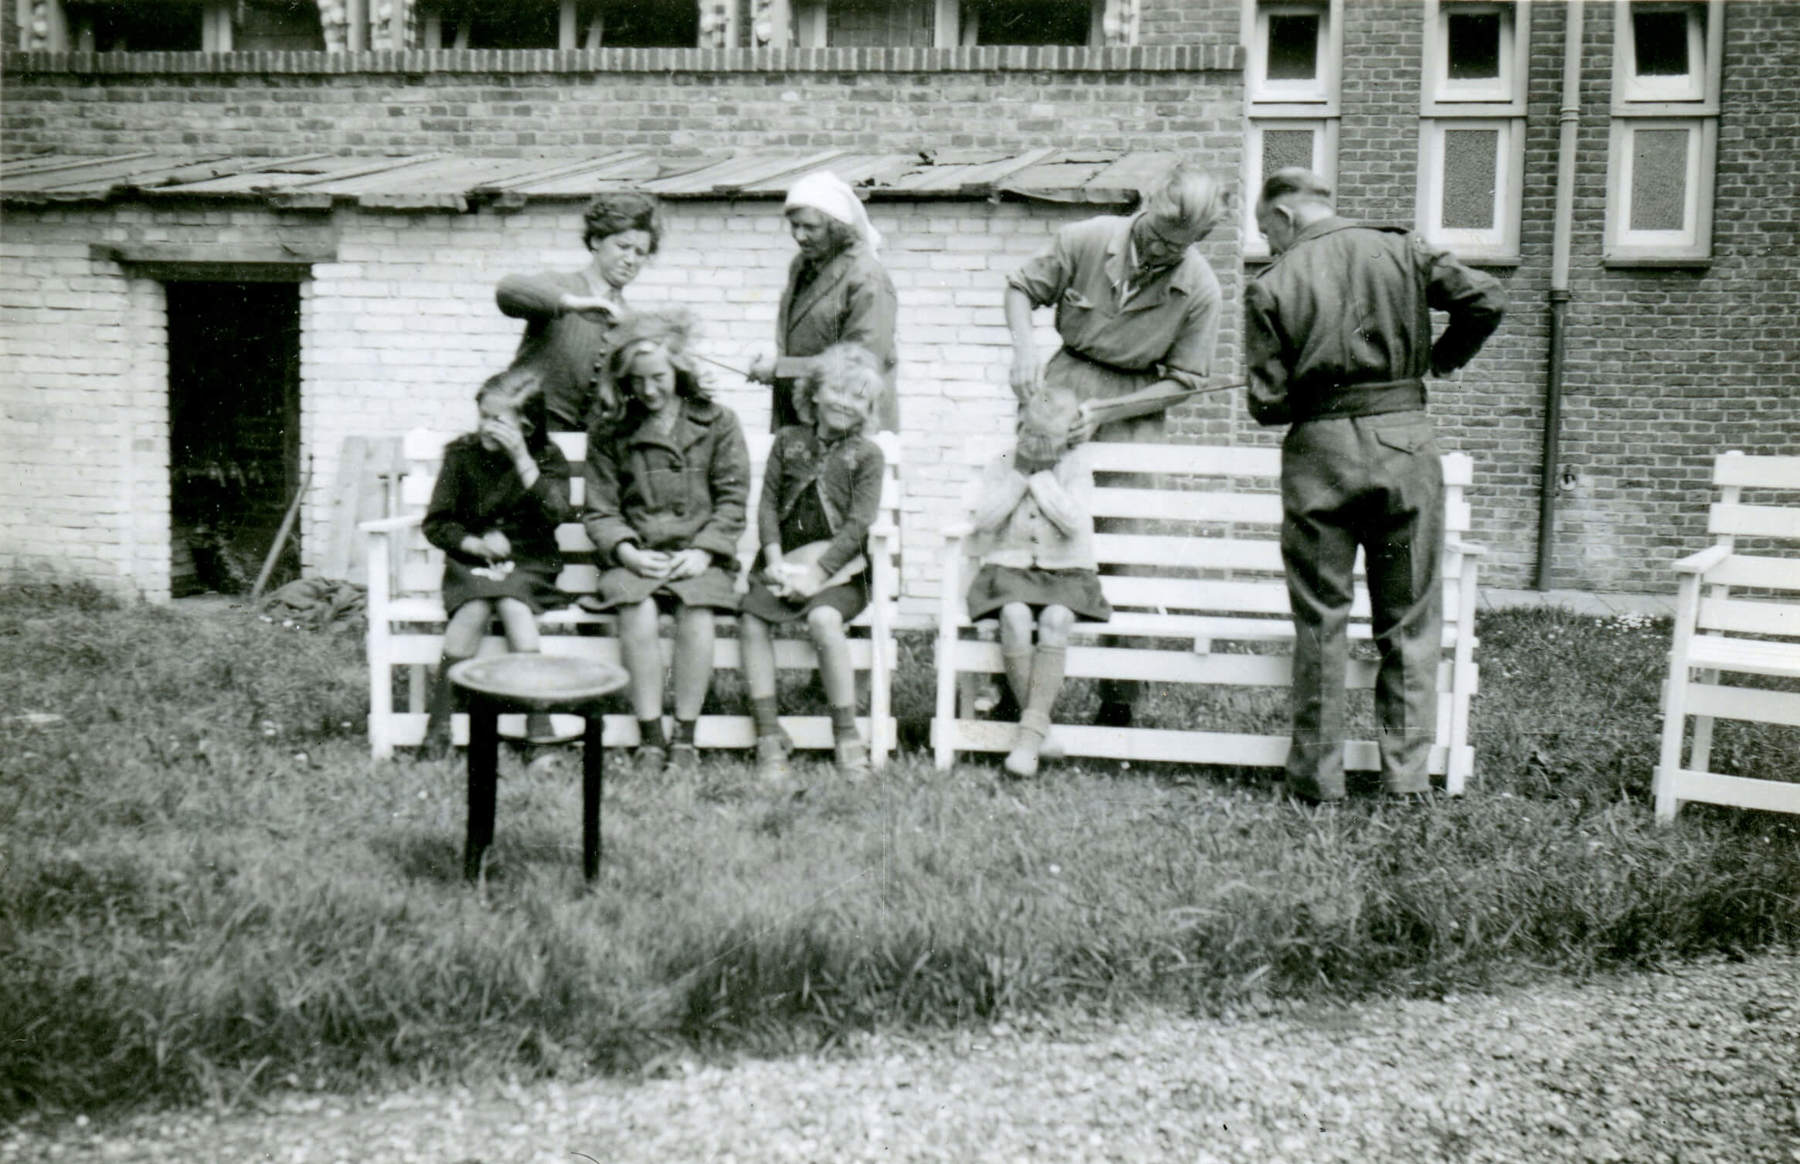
(208, 891)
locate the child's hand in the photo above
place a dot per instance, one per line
(688, 563)
(642, 562)
(805, 581)
(762, 369)
(495, 545)
(506, 437)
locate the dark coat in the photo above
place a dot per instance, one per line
(687, 489)
(1345, 312)
(477, 490)
(847, 474)
(850, 300)
(563, 347)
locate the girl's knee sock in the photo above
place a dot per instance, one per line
(843, 723)
(1018, 671)
(684, 731)
(768, 721)
(1047, 665)
(650, 733)
(441, 702)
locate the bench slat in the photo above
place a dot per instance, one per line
(1767, 521)
(1748, 616)
(1756, 472)
(1756, 572)
(1745, 656)
(621, 731)
(1160, 666)
(1149, 745)
(1754, 704)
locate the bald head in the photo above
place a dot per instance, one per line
(1290, 201)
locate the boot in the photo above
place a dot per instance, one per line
(440, 703)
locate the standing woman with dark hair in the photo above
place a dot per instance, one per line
(837, 292)
(568, 314)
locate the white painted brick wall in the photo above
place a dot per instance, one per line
(402, 328)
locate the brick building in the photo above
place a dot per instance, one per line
(1676, 129)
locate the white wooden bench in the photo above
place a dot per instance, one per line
(406, 614)
(1717, 631)
(1218, 517)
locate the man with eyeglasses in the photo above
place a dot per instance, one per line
(1137, 307)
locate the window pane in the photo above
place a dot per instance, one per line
(1293, 46)
(147, 28)
(1018, 22)
(1282, 148)
(1660, 38)
(1470, 171)
(1474, 45)
(1659, 176)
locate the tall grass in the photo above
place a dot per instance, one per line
(209, 892)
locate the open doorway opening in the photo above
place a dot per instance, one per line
(234, 431)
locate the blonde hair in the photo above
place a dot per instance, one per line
(1189, 194)
(851, 371)
(1045, 418)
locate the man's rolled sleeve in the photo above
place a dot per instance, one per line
(1046, 275)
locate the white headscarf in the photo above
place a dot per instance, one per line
(830, 195)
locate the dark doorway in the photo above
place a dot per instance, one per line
(234, 431)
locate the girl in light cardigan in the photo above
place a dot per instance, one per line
(1034, 540)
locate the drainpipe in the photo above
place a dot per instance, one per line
(1559, 286)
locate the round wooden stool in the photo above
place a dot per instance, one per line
(528, 683)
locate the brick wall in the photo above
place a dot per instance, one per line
(399, 330)
(83, 411)
(1171, 97)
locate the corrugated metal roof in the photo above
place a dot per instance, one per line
(454, 182)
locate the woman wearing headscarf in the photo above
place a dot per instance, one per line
(569, 314)
(837, 292)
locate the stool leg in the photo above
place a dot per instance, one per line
(592, 786)
(484, 773)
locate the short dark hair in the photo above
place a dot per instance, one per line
(610, 214)
(1294, 180)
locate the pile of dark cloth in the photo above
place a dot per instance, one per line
(317, 604)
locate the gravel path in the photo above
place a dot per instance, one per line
(1698, 1064)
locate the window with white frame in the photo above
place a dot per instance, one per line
(1472, 127)
(1664, 141)
(1295, 56)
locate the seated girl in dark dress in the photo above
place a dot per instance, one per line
(500, 494)
(821, 492)
(666, 494)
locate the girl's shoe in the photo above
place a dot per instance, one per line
(684, 760)
(649, 760)
(771, 760)
(1052, 749)
(852, 759)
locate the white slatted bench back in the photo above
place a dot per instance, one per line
(1207, 568)
(406, 621)
(1737, 612)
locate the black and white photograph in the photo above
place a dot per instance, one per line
(815, 581)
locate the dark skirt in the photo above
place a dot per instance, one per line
(1079, 590)
(531, 582)
(848, 600)
(621, 587)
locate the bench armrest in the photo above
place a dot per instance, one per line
(1472, 549)
(956, 531)
(386, 525)
(1703, 561)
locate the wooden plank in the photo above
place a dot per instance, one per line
(1736, 469)
(1750, 617)
(1735, 791)
(1159, 666)
(346, 487)
(1753, 704)
(1746, 657)
(1757, 572)
(809, 732)
(1174, 747)
(1172, 505)
(1768, 521)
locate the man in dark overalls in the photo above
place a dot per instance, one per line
(1338, 342)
